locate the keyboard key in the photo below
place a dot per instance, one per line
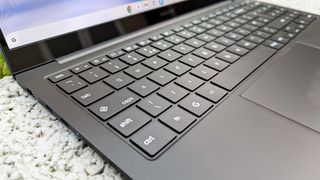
(144, 42)
(167, 33)
(254, 39)
(154, 105)
(94, 75)
(161, 77)
(224, 41)
(129, 121)
(249, 27)
(60, 76)
(92, 93)
(205, 37)
(224, 28)
(246, 44)
(173, 93)
(72, 84)
(162, 45)
(237, 50)
(280, 37)
(216, 64)
(196, 105)
(279, 22)
(183, 48)
(132, 58)
(191, 60)
(115, 54)
(273, 44)
(138, 71)
(242, 32)
(119, 80)
(99, 60)
(233, 36)
(215, 33)
(204, 72)
(215, 22)
(130, 48)
(204, 53)
(175, 39)
(177, 119)
(177, 68)
(215, 47)
(227, 56)
(80, 68)
(189, 82)
(233, 75)
(262, 34)
(196, 29)
(195, 43)
(153, 138)
(211, 92)
(155, 63)
(186, 34)
(114, 66)
(143, 87)
(156, 37)
(111, 105)
(170, 55)
(269, 30)
(148, 51)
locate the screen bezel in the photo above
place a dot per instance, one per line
(37, 53)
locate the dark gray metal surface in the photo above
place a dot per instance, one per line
(238, 140)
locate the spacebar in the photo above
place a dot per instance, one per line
(237, 72)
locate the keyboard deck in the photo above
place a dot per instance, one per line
(153, 91)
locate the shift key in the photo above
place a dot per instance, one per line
(111, 105)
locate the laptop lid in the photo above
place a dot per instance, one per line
(35, 32)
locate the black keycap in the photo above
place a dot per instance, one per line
(203, 72)
(130, 48)
(170, 55)
(183, 49)
(196, 29)
(195, 43)
(211, 92)
(262, 34)
(233, 36)
(255, 23)
(224, 28)
(115, 54)
(119, 80)
(60, 76)
(113, 104)
(92, 93)
(233, 75)
(189, 82)
(195, 105)
(215, 33)
(269, 30)
(72, 84)
(132, 58)
(206, 25)
(154, 105)
(114, 66)
(227, 56)
(280, 37)
(215, 22)
(204, 53)
(80, 68)
(144, 42)
(148, 51)
(156, 37)
(205, 37)
(225, 41)
(237, 50)
(242, 32)
(153, 138)
(129, 121)
(155, 63)
(177, 119)
(254, 39)
(246, 44)
(161, 77)
(99, 60)
(279, 22)
(232, 24)
(186, 34)
(215, 47)
(175, 39)
(93, 75)
(216, 64)
(162, 45)
(249, 27)
(177, 68)
(173, 93)
(273, 44)
(191, 60)
(138, 71)
(143, 87)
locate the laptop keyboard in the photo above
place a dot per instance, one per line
(153, 91)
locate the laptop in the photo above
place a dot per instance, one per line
(175, 89)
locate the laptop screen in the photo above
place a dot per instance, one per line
(24, 22)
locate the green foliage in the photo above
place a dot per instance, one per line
(4, 71)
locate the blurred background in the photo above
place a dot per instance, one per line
(3, 68)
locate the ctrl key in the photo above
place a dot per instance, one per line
(153, 138)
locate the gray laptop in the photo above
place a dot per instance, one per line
(174, 89)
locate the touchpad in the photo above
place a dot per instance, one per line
(291, 87)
